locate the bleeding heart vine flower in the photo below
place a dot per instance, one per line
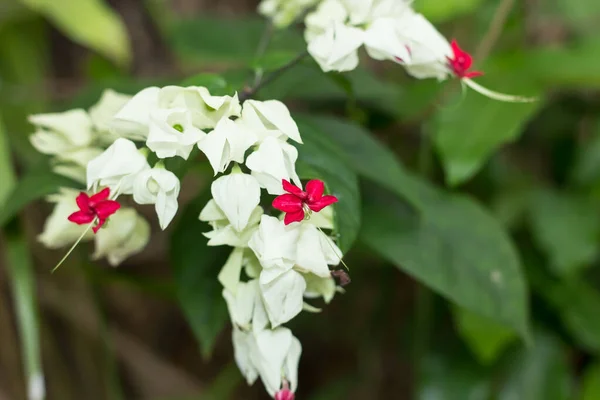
(298, 204)
(95, 207)
(461, 63)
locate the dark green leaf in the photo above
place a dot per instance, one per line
(320, 158)
(36, 183)
(591, 383)
(452, 377)
(363, 153)
(567, 227)
(586, 170)
(486, 338)
(456, 248)
(538, 373)
(216, 84)
(578, 305)
(467, 134)
(195, 268)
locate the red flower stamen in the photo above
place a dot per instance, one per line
(461, 62)
(296, 202)
(96, 206)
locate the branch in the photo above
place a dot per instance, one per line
(495, 29)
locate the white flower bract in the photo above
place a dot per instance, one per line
(159, 187)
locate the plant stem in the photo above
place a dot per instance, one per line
(249, 93)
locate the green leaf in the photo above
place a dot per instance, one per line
(91, 23)
(216, 84)
(22, 283)
(364, 154)
(37, 183)
(456, 248)
(439, 11)
(213, 39)
(486, 338)
(539, 372)
(466, 135)
(578, 304)
(452, 377)
(591, 382)
(586, 169)
(320, 158)
(567, 228)
(195, 268)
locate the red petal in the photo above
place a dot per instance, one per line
(293, 189)
(81, 217)
(287, 203)
(322, 203)
(98, 225)
(100, 196)
(83, 202)
(456, 50)
(473, 74)
(314, 189)
(106, 208)
(295, 216)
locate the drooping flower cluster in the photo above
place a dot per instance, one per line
(388, 30)
(285, 259)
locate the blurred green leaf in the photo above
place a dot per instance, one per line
(91, 23)
(578, 65)
(339, 389)
(195, 269)
(466, 135)
(7, 175)
(439, 11)
(321, 158)
(22, 283)
(216, 84)
(364, 154)
(452, 377)
(591, 383)
(35, 184)
(538, 373)
(586, 169)
(307, 82)
(225, 384)
(567, 228)
(213, 39)
(486, 338)
(578, 305)
(456, 248)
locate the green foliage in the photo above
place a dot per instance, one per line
(469, 258)
(195, 268)
(567, 227)
(486, 338)
(591, 383)
(89, 22)
(37, 183)
(439, 11)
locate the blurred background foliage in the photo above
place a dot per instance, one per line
(475, 265)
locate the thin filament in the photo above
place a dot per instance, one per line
(497, 96)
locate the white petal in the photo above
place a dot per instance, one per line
(171, 133)
(133, 118)
(292, 360)
(274, 161)
(273, 346)
(274, 244)
(384, 42)
(240, 302)
(319, 287)
(310, 254)
(212, 212)
(283, 297)
(237, 195)
(216, 148)
(106, 108)
(336, 49)
(59, 132)
(273, 115)
(125, 233)
(117, 167)
(243, 346)
(326, 13)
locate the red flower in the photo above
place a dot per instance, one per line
(295, 202)
(284, 394)
(90, 208)
(461, 62)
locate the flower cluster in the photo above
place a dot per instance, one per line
(284, 261)
(387, 29)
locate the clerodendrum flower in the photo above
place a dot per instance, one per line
(97, 207)
(273, 161)
(237, 195)
(159, 187)
(296, 202)
(171, 133)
